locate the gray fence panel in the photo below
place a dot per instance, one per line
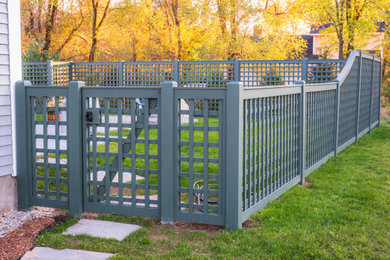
(365, 94)
(122, 145)
(376, 92)
(36, 72)
(199, 154)
(222, 161)
(269, 73)
(270, 146)
(49, 146)
(152, 74)
(348, 95)
(320, 121)
(96, 73)
(319, 71)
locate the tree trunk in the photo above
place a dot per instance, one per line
(96, 27)
(233, 31)
(49, 24)
(92, 52)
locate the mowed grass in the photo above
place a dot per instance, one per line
(343, 212)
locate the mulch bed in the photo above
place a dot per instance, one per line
(15, 244)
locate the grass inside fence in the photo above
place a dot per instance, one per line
(342, 212)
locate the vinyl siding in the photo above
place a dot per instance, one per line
(6, 160)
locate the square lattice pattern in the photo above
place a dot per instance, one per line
(200, 167)
(123, 152)
(49, 147)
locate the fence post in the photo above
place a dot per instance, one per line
(237, 70)
(372, 86)
(234, 153)
(176, 71)
(75, 148)
(24, 181)
(302, 131)
(167, 155)
(49, 72)
(120, 73)
(337, 116)
(379, 94)
(70, 71)
(304, 69)
(358, 95)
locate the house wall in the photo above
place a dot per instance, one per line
(373, 44)
(10, 72)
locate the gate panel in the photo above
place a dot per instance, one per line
(122, 150)
(199, 166)
(47, 141)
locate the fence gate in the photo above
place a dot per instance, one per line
(121, 166)
(199, 138)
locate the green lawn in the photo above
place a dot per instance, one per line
(342, 213)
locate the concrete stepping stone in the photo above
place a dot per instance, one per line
(102, 229)
(46, 253)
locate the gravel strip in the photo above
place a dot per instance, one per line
(13, 219)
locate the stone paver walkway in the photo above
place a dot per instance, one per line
(46, 253)
(102, 229)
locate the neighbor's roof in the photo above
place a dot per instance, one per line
(316, 29)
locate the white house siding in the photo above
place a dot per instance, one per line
(10, 72)
(6, 160)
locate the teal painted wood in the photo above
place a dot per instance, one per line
(75, 167)
(197, 171)
(357, 106)
(21, 115)
(176, 70)
(168, 189)
(113, 164)
(186, 73)
(380, 90)
(49, 72)
(302, 132)
(120, 71)
(47, 173)
(234, 155)
(305, 70)
(237, 71)
(256, 155)
(320, 71)
(337, 117)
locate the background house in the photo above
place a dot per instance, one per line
(10, 72)
(316, 44)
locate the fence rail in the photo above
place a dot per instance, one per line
(196, 153)
(186, 73)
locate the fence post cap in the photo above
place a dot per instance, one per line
(23, 83)
(77, 83)
(239, 84)
(300, 82)
(168, 83)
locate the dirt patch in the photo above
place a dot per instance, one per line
(15, 244)
(160, 236)
(90, 215)
(249, 224)
(180, 225)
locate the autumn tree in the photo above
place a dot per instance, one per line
(49, 25)
(96, 25)
(350, 20)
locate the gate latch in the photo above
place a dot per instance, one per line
(93, 116)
